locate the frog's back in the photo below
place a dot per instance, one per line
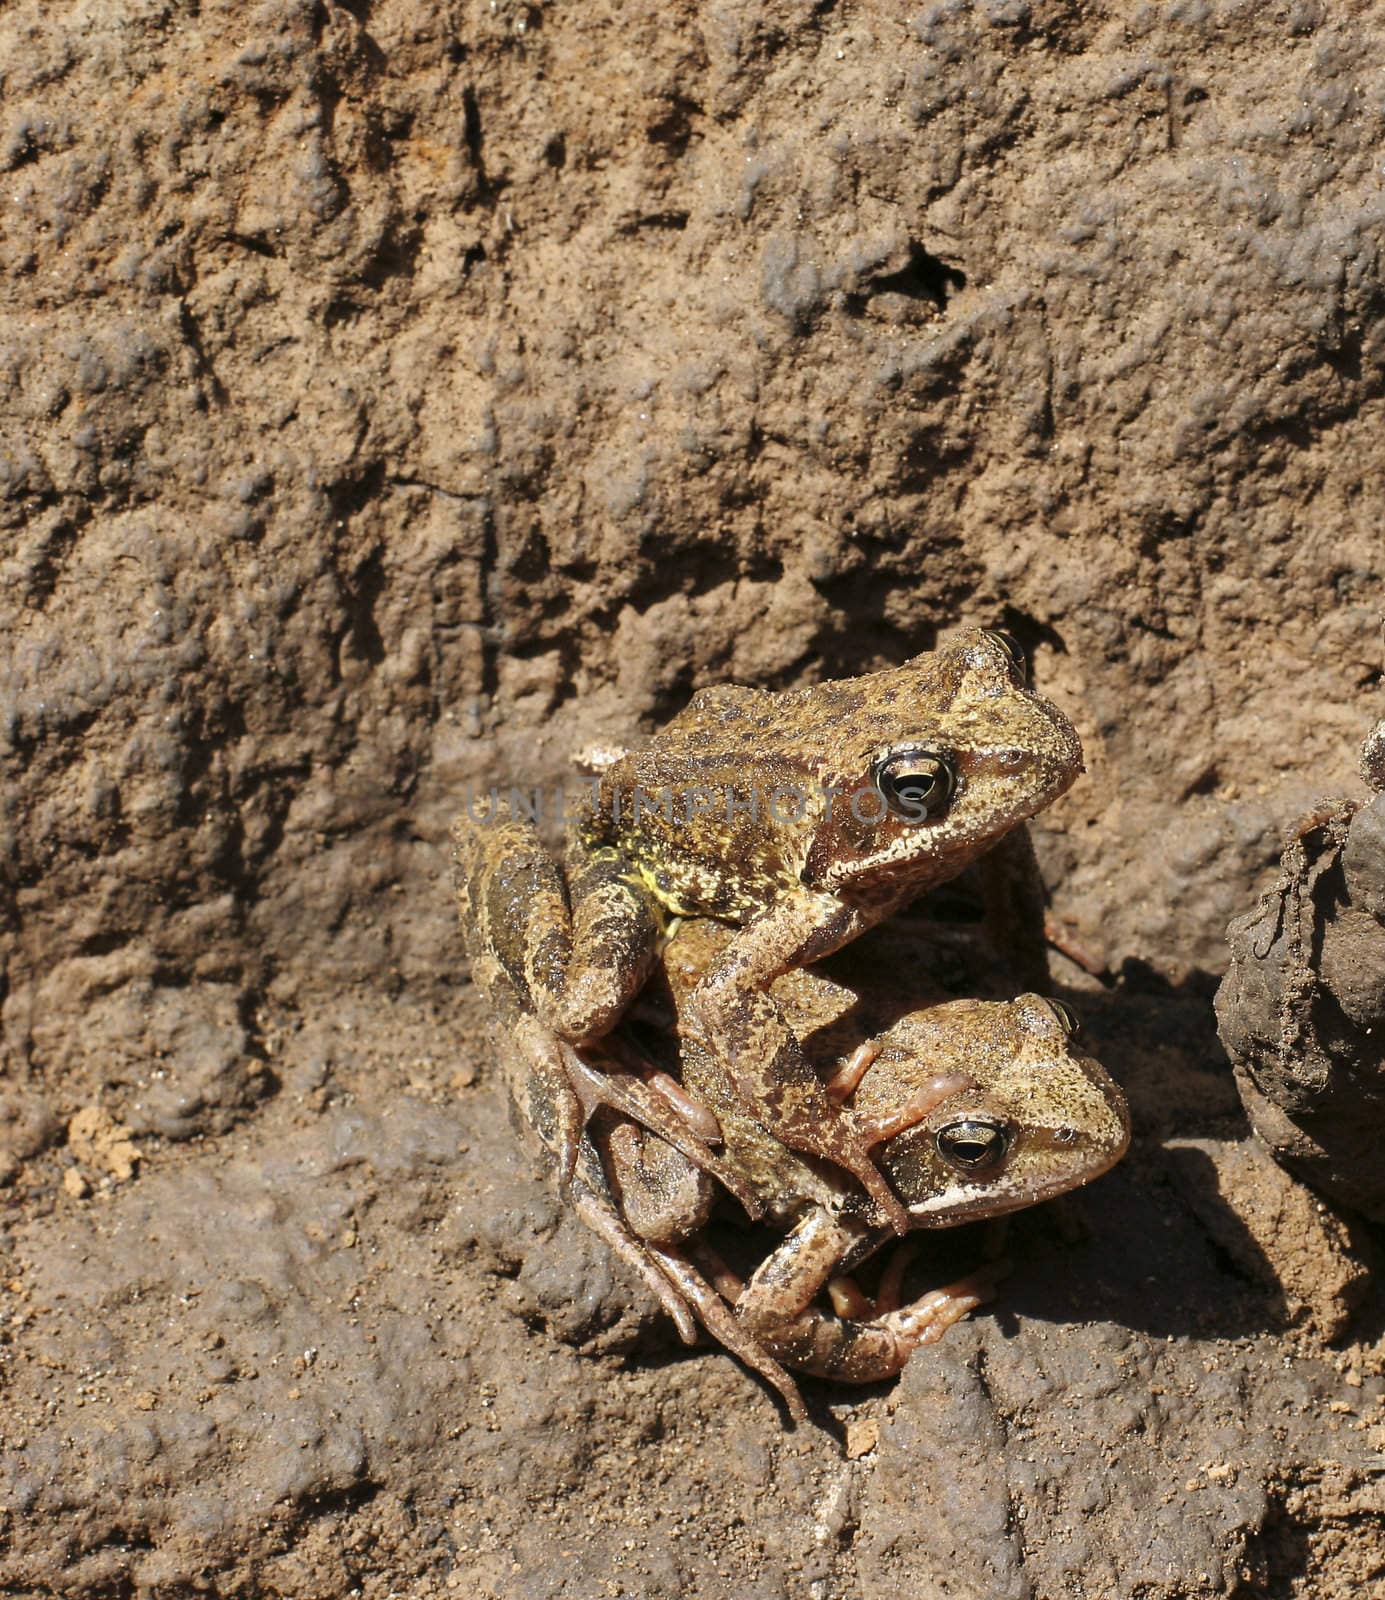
(786, 1183)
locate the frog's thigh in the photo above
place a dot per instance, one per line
(787, 1279)
(662, 1195)
(578, 950)
(616, 927)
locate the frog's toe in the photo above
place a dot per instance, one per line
(867, 1348)
(634, 1098)
(927, 1319)
(723, 1324)
(896, 1212)
(602, 1217)
(840, 1143)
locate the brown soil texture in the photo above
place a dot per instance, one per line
(1301, 1011)
(402, 397)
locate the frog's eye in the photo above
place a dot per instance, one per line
(1012, 648)
(1067, 1017)
(973, 1145)
(914, 783)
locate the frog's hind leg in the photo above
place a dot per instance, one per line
(547, 1102)
(578, 944)
(609, 1229)
(667, 1201)
(724, 1326)
(624, 1092)
(513, 906)
(592, 1202)
(557, 1092)
(874, 1340)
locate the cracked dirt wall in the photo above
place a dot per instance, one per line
(400, 397)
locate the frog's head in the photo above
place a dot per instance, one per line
(934, 762)
(1017, 1113)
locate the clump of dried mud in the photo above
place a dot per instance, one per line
(401, 397)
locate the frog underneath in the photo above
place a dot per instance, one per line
(975, 1108)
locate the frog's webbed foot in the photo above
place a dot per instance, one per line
(722, 1323)
(557, 1091)
(699, 1118)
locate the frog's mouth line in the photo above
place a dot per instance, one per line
(990, 1203)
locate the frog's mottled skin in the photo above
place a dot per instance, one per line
(1012, 1066)
(1015, 1065)
(733, 842)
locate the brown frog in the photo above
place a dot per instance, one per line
(802, 818)
(973, 1109)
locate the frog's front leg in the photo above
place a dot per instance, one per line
(776, 1304)
(732, 1013)
(579, 947)
(864, 1351)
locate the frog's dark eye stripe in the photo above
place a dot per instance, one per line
(973, 1145)
(1012, 648)
(1066, 1016)
(915, 783)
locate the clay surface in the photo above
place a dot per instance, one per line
(402, 398)
(1301, 1011)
